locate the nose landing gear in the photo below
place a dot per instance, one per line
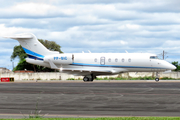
(157, 77)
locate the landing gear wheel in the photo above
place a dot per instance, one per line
(85, 79)
(90, 79)
(156, 79)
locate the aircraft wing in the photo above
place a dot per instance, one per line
(96, 71)
(83, 71)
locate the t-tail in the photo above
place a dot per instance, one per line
(33, 48)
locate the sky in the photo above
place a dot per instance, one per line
(100, 26)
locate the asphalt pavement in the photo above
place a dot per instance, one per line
(91, 99)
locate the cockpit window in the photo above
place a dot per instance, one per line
(154, 57)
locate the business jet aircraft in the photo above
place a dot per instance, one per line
(90, 65)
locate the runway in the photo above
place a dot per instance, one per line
(76, 99)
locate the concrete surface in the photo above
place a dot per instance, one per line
(91, 99)
(63, 76)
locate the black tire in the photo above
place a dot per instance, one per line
(91, 79)
(85, 79)
(156, 79)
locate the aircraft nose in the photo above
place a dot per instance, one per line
(172, 67)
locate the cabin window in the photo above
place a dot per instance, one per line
(109, 59)
(95, 60)
(123, 60)
(153, 57)
(116, 60)
(129, 59)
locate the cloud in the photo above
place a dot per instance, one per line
(98, 26)
(152, 6)
(172, 44)
(74, 2)
(5, 31)
(33, 10)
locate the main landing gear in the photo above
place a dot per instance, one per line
(157, 77)
(89, 78)
(86, 79)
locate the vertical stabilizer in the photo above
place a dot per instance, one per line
(31, 45)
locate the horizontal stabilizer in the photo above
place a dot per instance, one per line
(20, 36)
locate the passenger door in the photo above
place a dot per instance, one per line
(102, 60)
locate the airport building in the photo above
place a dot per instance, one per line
(4, 70)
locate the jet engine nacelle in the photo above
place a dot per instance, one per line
(59, 58)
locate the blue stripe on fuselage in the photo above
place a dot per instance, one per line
(117, 66)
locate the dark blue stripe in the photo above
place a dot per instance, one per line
(29, 52)
(117, 66)
(34, 57)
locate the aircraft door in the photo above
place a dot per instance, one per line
(72, 58)
(102, 60)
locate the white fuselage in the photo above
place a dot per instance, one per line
(112, 62)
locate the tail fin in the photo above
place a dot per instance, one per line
(31, 45)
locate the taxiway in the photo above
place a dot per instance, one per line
(79, 99)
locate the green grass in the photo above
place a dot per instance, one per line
(106, 118)
(70, 79)
(74, 79)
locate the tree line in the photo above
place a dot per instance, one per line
(175, 63)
